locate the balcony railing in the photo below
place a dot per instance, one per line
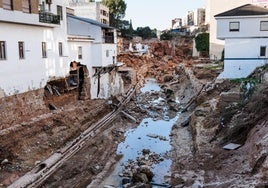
(47, 17)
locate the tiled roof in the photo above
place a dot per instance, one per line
(245, 10)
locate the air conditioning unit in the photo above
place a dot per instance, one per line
(49, 1)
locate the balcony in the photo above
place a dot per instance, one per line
(47, 17)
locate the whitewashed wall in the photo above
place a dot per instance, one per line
(18, 76)
(249, 27)
(82, 28)
(102, 54)
(86, 52)
(33, 72)
(110, 84)
(242, 57)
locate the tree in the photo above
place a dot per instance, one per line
(202, 43)
(145, 32)
(117, 9)
(166, 36)
(126, 29)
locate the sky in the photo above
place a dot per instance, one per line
(159, 13)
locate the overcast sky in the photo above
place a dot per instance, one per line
(159, 13)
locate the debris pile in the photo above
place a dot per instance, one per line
(138, 172)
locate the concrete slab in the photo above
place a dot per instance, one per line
(231, 146)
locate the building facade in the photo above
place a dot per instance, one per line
(33, 44)
(244, 30)
(176, 23)
(92, 10)
(214, 7)
(199, 16)
(98, 44)
(38, 41)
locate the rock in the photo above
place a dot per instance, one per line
(126, 181)
(5, 161)
(186, 122)
(109, 186)
(37, 162)
(167, 78)
(229, 97)
(265, 77)
(200, 112)
(197, 184)
(140, 177)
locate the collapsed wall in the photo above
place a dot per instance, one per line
(21, 107)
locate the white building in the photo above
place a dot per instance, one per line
(97, 42)
(36, 48)
(244, 30)
(214, 7)
(176, 23)
(33, 45)
(93, 10)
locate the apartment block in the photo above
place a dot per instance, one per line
(91, 10)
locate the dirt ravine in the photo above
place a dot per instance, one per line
(213, 113)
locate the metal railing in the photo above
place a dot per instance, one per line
(47, 17)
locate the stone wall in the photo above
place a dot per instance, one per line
(22, 107)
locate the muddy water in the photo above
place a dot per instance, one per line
(152, 134)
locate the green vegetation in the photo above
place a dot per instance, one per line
(117, 9)
(202, 43)
(145, 32)
(217, 65)
(126, 29)
(167, 36)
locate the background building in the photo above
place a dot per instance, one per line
(176, 23)
(92, 10)
(199, 16)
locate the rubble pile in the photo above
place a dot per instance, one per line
(138, 172)
(161, 60)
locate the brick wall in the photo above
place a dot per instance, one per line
(18, 108)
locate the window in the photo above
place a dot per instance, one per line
(21, 50)
(234, 26)
(44, 49)
(59, 12)
(3, 50)
(263, 51)
(8, 4)
(60, 49)
(264, 26)
(26, 6)
(80, 52)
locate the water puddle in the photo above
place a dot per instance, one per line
(150, 85)
(151, 135)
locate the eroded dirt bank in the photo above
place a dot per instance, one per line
(213, 113)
